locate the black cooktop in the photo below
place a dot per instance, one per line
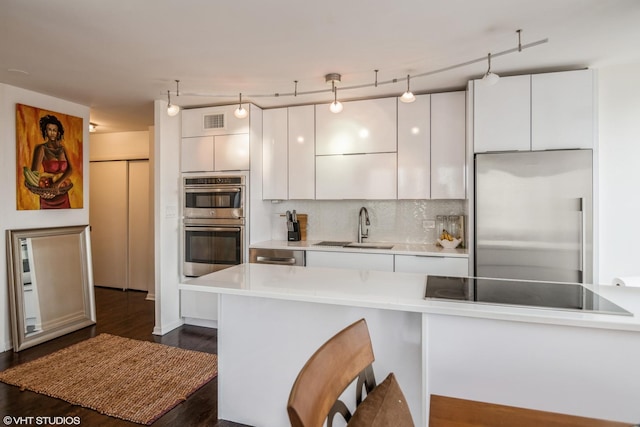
(550, 295)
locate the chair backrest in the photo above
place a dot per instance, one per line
(327, 374)
(454, 412)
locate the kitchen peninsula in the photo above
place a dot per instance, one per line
(272, 318)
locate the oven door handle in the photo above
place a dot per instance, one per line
(214, 190)
(275, 260)
(205, 228)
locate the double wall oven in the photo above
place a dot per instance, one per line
(214, 209)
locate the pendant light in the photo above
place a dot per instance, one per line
(172, 109)
(336, 106)
(408, 96)
(240, 112)
(489, 77)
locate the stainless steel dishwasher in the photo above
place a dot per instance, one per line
(277, 256)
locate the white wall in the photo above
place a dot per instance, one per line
(619, 184)
(10, 217)
(166, 159)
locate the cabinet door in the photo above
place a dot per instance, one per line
(414, 152)
(357, 176)
(562, 110)
(231, 152)
(274, 154)
(448, 146)
(197, 154)
(350, 260)
(302, 164)
(502, 115)
(434, 265)
(367, 126)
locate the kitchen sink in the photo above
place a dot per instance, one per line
(369, 245)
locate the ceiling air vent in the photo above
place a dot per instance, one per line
(213, 121)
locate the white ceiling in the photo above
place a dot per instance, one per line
(119, 56)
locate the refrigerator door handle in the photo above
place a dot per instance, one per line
(583, 238)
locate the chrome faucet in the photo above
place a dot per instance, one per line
(361, 234)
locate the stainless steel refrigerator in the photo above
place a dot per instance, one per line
(534, 215)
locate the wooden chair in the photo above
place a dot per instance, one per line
(343, 358)
(453, 412)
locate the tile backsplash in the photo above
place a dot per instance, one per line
(401, 221)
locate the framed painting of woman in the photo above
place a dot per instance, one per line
(49, 164)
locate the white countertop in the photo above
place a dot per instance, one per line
(397, 291)
(398, 248)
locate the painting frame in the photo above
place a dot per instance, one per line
(49, 159)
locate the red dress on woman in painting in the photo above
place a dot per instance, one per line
(58, 202)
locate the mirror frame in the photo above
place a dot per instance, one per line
(16, 293)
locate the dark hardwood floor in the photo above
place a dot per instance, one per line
(127, 314)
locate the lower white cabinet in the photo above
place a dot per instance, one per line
(435, 265)
(198, 308)
(356, 261)
(197, 154)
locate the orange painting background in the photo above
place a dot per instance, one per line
(28, 136)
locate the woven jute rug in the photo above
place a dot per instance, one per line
(133, 380)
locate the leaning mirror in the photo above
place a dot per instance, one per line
(50, 283)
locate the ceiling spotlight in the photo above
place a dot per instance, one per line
(240, 112)
(336, 106)
(173, 109)
(92, 127)
(489, 77)
(408, 95)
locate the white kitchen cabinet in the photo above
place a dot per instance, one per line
(274, 154)
(302, 165)
(502, 115)
(213, 121)
(356, 176)
(231, 152)
(215, 153)
(197, 154)
(414, 152)
(199, 308)
(434, 265)
(562, 110)
(367, 126)
(350, 260)
(448, 146)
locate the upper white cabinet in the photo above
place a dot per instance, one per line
(414, 148)
(213, 121)
(549, 111)
(197, 154)
(274, 154)
(502, 115)
(448, 146)
(301, 152)
(562, 110)
(215, 153)
(231, 152)
(356, 176)
(288, 153)
(367, 126)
